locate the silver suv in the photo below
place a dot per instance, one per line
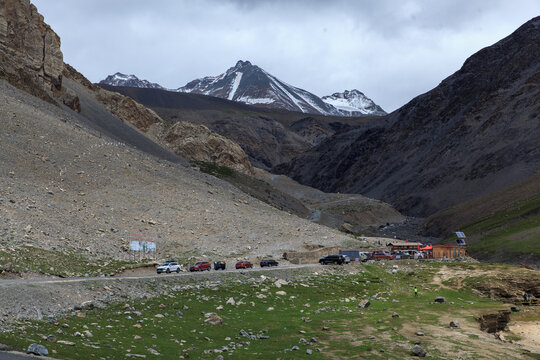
(168, 267)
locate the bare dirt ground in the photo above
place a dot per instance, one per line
(528, 332)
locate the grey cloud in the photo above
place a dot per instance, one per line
(391, 50)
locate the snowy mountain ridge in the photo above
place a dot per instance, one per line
(249, 84)
(252, 85)
(119, 79)
(353, 103)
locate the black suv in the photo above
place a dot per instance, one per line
(269, 262)
(219, 265)
(332, 259)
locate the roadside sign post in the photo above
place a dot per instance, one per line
(142, 246)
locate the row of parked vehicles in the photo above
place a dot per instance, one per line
(172, 266)
(341, 259)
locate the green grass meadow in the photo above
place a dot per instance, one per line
(318, 314)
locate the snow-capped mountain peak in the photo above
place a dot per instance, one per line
(353, 103)
(120, 79)
(252, 85)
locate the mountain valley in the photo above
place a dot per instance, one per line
(243, 166)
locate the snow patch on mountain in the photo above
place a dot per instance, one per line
(235, 84)
(252, 101)
(353, 103)
(119, 79)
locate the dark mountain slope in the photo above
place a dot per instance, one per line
(268, 136)
(475, 133)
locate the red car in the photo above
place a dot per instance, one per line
(382, 255)
(244, 265)
(200, 266)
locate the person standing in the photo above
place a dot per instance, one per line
(415, 291)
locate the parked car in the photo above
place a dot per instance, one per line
(402, 254)
(381, 255)
(268, 262)
(168, 267)
(200, 266)
(219, 265)
(347, 259)
(364, 256)
(332, 259)
(244, 264)
(417, 254)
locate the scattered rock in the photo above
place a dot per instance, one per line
(309, 351)
(419, 333)
(4, 347)
(440, 299)
(37, 349)
(214, 319)
(280, 282)
(231, 301)
(87, 305)
(364, 304)
(454, 324)
(244, 333)
(281, 293)
(395, 315)
(65, 342)
(418, 351)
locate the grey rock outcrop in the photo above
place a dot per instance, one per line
(30, 55)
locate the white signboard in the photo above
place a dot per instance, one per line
(146, 246)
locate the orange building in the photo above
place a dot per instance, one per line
(449, 251)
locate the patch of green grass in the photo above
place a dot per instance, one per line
(515, 230)
(214, 169)
(322, 307)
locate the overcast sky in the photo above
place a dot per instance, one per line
(392, 50)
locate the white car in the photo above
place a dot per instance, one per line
(417, 254)
(347, 259)
(168, 267)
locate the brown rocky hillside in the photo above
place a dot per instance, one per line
(82, 179)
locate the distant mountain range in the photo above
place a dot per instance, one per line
(119, 79)
(249, 84)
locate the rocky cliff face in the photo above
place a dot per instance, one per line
(30, 55)
(197, 142)
(475, 133)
